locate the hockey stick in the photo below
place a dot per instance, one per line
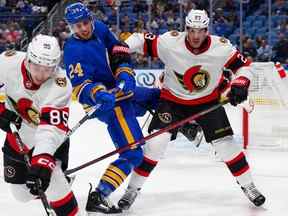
(81, 121)
(146, 120)
(150, 136)
(42, 195)
(93, 109)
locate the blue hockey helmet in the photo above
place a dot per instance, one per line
(77, 12)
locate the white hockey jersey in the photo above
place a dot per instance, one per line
(192, 76)
(44, 109)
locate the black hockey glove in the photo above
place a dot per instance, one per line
(239, 90)
(7, 117)
(41, 168)
(118, 55)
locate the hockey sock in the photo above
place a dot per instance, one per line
(65, 206)
(239, 168)
(112, 179)
(234, 158)
(141, 173)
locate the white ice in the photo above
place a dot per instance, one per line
(188, 181)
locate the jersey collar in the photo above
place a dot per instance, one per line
(27, 80)
(203, 48)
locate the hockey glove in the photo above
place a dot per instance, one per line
(106, 99)
(40, 172)
(128, 81)
(239, 90)
(7, 117)
(119, 55)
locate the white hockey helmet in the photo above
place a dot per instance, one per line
(197, 19)
(44, 50)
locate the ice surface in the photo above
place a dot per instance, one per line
(188, 181)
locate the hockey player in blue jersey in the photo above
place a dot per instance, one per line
(97, 65)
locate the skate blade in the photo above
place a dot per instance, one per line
(101, 211)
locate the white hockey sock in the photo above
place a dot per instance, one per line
(136, 181)
(234, 158)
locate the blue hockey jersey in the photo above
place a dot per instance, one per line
(86, 62)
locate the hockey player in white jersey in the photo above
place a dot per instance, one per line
(35, 97)
(194, 63)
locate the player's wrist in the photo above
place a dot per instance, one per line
(44, 160)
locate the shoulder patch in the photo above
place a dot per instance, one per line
(9, 53)
(223, 40)
(174, 33)
(61, 81)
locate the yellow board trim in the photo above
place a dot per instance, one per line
(128, 135)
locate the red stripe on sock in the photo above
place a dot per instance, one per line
(74, 212)
(141, 172)
(61, 202)
(153, 162)
(237, 158)
(240, 172)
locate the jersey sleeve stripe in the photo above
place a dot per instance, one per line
(236, 62)
(155, 47)
(77, 89)
(57, 117)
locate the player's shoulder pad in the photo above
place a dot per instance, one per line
(61, 80)
(221, 41)
(100, 27)
(73, 49)
(60, 90)
(11, 60)
(9, 53)
(99, 24)
(71, 44)
(171, 37)
(174, 33)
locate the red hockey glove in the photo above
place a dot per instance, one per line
(239, 90)
(41, 168)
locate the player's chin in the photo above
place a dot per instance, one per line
(39, 82)
(196, 44)
(85, 36)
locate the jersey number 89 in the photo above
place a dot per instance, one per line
(57, 117)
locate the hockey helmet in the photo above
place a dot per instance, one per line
(197, 19)
(44, 50)
(77, 12)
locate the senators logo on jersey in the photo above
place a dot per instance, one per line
(62, 82)
(194, 79)
(26, 110)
